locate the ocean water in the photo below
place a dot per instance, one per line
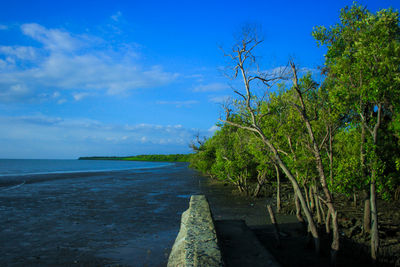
(18, 167)
(16, 172)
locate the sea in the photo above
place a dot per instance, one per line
(92, 212)
(20, 167)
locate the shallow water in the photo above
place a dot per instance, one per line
(22, 167)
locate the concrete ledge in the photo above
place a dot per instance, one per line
(196, 243)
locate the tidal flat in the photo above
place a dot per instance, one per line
(125, 218)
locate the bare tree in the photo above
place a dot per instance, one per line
(244, 65)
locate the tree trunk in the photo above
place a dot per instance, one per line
(312, 203)
(298, 208)
(322, 210)
(367, 202)
(374, 208)
(255, 128)
(278, 191)
(335, 231)
(331, 156)
(367, 214)
(317, 207)
(261, 176)
(374, 221)
(307, 197)
(319, 164)
(327, 222)
(297, 190)
(243, 55)
(354, 199)
(257, 190)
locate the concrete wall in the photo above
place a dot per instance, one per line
(196, 243)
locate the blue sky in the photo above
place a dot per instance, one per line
(84, 78)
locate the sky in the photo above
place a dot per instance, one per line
(119, 78)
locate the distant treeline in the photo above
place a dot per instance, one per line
(170, 157)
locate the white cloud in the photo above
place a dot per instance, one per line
(178, 104)
(219, 99)
(80, 96)
(73, 62)
(213, 128)
(14, 91)
(52, 39)
(61, 101)
(82, 136)
(3, 64)
(116, 16)
(198, 77)
(212, 87)
(20, 52)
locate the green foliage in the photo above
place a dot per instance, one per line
(363, 60)
(362, 72)
(228, 157)
(348, 172)
(363, 56)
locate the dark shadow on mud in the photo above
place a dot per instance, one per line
(296, 248)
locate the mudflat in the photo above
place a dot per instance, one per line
(125, 218)
(129, 218)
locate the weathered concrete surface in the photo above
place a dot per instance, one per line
(196, 243)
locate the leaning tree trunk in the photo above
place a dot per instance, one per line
(296, 188)
(329, 203)
(240, 56)
(255, 128)
(319, 165)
